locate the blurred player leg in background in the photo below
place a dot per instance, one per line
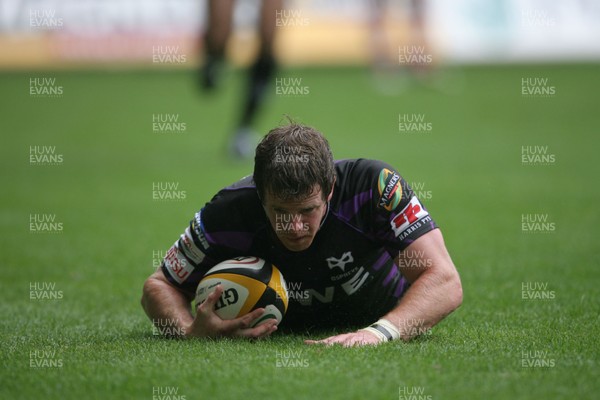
(391, 75)
(217, 33)
(259, 76)
(260, 72)
(418, 38)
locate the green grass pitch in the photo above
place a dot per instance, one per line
(94, 342)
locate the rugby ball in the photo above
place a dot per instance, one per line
(248, 283)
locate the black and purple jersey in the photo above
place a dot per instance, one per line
(347, 276)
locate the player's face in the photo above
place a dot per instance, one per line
(296, 222)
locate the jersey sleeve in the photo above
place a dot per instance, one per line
(218, 232)
(189, 258)
(397, 214)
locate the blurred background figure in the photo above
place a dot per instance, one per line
(218, 31)
(391, 68)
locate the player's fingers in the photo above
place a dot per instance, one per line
(258, 332)
(232, 326)
(211, 300)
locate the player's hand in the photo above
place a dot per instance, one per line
(208, 324)
(358, 338)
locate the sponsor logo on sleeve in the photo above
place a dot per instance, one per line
(390, 189)
(189, 247)
(409, 219)
(199, 231)
(177, 265)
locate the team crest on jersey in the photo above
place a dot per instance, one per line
(390, 189)
(341, 262)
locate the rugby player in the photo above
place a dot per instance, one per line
(355, 245)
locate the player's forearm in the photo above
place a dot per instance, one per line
(430, 298)
(167, 307)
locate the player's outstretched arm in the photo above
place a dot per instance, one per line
(166, 305)
(435, 292)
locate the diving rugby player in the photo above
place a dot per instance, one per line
(357, 248)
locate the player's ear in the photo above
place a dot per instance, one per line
(331, 191)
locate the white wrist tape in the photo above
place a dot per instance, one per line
(384, 330)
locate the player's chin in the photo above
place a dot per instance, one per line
(296, 243)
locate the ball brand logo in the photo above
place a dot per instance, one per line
(229, 297)
(390, 189)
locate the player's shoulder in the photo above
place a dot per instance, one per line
(361, 175)
(233, 206)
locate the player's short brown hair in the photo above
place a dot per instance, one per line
(290, 160)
